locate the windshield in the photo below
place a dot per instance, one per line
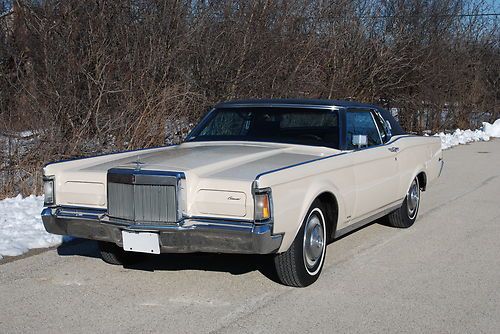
(318, 127)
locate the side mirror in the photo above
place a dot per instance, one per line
(359, 140)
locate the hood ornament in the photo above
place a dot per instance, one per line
(138, 164)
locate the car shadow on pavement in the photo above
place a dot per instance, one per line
(235, 264)
(79, 247)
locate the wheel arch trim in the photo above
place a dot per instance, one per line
(416, 174)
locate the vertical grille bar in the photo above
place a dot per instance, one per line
(172, 204)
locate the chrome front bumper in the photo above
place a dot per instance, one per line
(189, 236)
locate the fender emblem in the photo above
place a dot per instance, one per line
(231, 198)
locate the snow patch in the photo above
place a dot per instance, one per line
(461, 137)
(21, 227)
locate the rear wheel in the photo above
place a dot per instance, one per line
(301, 264)
(406, 215)
(112, 254)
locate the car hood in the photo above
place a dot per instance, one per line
(220, 160)
(212, 170)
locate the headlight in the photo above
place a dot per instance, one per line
(262, 206)
(48, 191)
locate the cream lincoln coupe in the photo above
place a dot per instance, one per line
(281, 177)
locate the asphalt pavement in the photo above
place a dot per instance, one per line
(442, 275)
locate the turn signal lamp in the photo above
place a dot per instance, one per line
(262, 206)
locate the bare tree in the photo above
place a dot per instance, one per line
(79, 77)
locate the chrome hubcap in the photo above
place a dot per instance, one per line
(314, 241)
(412, 199)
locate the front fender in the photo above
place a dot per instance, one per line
(290, 221)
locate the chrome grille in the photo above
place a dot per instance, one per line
(142, 203)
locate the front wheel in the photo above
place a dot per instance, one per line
(301, 264)
(406, 215)
(112, 254)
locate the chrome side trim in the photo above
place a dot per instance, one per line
(390, 142)
(297, 164)
(441, 168)
(364, 221)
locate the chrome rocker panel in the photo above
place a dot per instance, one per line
(190, 236)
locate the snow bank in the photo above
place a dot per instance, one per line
(461, 137)
(492, 130)
(21, 227)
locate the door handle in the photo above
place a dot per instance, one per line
(393, 149)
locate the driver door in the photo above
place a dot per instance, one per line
(375, 166)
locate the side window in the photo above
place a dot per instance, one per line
(361, 123)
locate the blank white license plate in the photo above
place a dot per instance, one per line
(143, 242)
